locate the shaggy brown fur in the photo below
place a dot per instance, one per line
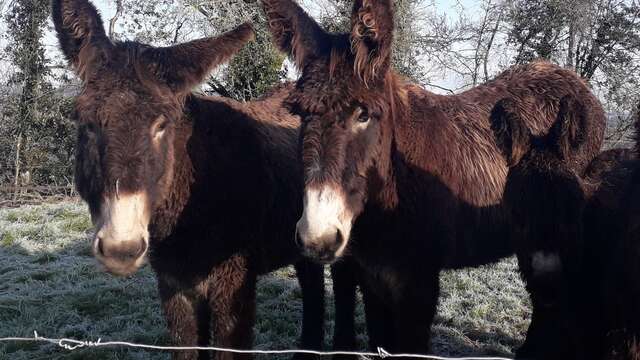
(215, 179)
(415, 179)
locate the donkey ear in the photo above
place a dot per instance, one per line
(80, 33)
(294, 32)
(372, 38)
(567, 133)
(513, 137)
(186, 65)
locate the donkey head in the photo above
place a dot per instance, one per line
(517, 142)
(343, 98)
(543, 194)
(126, 114)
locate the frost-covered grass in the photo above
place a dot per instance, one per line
(50, 283)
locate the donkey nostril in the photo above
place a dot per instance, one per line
(298, 240)
(100, 247)
(339, 238)
(142, 250)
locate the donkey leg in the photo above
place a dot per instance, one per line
(232, 299)
(344, 294)
(547, 333)
(379, 317)
(187, 319)
(311, 279)
(414, 308)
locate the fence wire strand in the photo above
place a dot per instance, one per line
(73, 344)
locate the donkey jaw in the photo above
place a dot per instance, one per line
(325, 225)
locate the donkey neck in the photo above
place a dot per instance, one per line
(436, 141)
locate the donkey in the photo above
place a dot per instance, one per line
(546, 201)
(612, 232)
(406, 181)
(207, 189)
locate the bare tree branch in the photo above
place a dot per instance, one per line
(114, 19)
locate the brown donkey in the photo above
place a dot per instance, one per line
(546, 199)
(589, 277)
(612, 236)
(207, 189)
(406, 181)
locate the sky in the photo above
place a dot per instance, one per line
(107, 7)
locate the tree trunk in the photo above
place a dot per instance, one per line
(476, 57)
(16, 181)
(572, 43)
(114, 19)
(492, 38)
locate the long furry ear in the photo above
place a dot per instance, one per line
(567, 133)
(184, 66)
(80, 32)
(513, 137)
(294, 32)
(372, 38)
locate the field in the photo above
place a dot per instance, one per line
(49, 282)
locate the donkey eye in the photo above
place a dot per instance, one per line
(163, 125)
(364, 116)
(160, 127)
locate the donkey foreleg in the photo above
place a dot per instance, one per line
(232, 298)
(311, 279)
(414, 308)
(187, 319)
(344, 275)
(550, 331)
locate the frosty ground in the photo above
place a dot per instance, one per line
(49, 282)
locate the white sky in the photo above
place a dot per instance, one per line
(107, 7)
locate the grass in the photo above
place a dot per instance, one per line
(50, 283)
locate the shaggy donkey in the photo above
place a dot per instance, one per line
(546, 199)
(406, 181)
(612, 233)
(206, 188)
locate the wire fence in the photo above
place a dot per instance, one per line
(73, 344)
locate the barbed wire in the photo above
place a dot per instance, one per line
(73, 344)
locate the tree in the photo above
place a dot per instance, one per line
(259, 65)
(34, 108)
(25, 22)
(599, 39)
(249, 74)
